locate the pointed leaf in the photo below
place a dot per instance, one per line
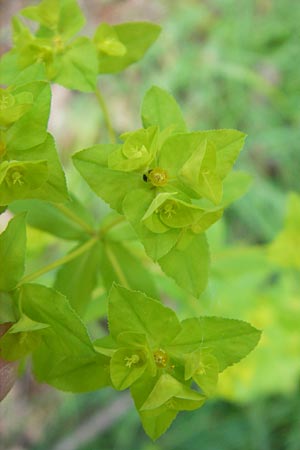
(135, 37)
(228, 340)
(77, 67)
(188, 262)
(155, 421)
(143, 315)
(66, 357)
(160, 108)
(110, 185)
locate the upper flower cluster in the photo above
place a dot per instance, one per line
(169, 183)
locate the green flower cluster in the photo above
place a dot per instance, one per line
(72, 61)
(169, 183)
(29, 166)
(162, 359)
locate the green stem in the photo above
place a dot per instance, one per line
(110, 225)
(68, 213)
(116, 266)
(59, 262)
(107, 120)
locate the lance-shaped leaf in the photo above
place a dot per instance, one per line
(228, 340)
(135, 205)
(120, 45)
(143, 315)
(111, 185)
(161, 109)
(188, 262)
(12, 253)
(54, 188)
(66, 358)
(19, 179)
(118, 264)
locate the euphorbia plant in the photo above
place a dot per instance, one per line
(165, 185)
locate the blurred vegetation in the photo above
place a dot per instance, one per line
(230, 65)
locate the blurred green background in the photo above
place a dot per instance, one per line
(230, 64)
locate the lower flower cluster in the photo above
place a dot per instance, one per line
(169, 366)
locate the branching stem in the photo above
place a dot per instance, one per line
(71, 215)
(106, 116)
(59, 262)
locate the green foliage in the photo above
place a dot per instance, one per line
(167, 185)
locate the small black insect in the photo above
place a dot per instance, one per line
(145, 176)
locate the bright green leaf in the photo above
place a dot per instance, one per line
(76, 67)
(112, 186)
(135, 37)
(227, 339)
(155, 421)
(66, 358)
(160, 108)
(188, 262)
(143, 315)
